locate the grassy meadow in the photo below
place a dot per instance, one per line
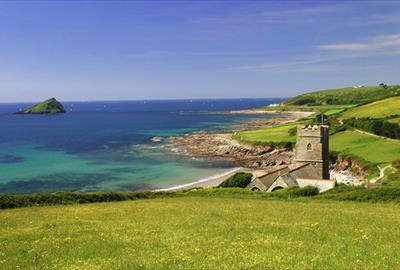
(370, 148)
(202, 233)
(348, 95)
(276, 134)
(378, 109)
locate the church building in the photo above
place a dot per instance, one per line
(311, 163)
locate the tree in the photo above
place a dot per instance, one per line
(383, 85)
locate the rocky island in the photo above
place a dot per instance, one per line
(49, 106)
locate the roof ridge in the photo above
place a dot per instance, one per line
(318, 179)
(272, 172)
(301, 166)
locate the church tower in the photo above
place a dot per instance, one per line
(313, 147)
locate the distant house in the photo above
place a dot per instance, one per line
(312, 164)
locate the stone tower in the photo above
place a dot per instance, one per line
(313, 147)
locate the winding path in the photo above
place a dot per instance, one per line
(374, 135)
(381, 174)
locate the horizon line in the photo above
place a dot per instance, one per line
(150, 100)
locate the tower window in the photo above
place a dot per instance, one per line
(309, 147)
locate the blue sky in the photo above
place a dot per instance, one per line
(165, 50)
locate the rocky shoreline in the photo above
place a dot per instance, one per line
(257, 159)
(220, 145)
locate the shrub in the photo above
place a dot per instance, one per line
(296, 192)
(240, 179)
(377, 126)
(385, 194)
(285, 145)
(343, 188)
(37, 199)
(305, 191)
(396, 164)
(292, 131)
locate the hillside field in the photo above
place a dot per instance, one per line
(370, 148)
(202, 233)
(378, 109)
(348, 95)
(276, 134)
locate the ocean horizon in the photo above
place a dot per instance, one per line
(107, 146)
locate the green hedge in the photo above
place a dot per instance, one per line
(39, 199)
(385, 194)
(285, 145)
(341, 193)
(376, 126)
(296, 192)
(396, 164)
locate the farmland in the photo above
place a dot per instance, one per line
(378, 109)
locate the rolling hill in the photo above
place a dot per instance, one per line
(344, 96)
(378, 109)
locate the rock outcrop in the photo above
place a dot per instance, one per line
(220, 145)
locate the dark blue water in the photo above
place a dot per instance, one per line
(107, 146)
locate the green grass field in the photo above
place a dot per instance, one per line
(348, 95)
(378, 109)
(276, 134)
(202, 233)
(327, 109)
(368, 147)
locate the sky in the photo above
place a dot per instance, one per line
(128, 50)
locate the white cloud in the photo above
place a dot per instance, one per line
(379, 42)
(314, 61)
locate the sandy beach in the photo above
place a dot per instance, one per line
(211, 181)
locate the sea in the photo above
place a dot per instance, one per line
(107, 146)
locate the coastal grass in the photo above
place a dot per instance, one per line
(202, 233)
(370, 148)
(347, 95)
(278, 134)
(326, 109)
(378, 109)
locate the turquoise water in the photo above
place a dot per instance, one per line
(106, 145)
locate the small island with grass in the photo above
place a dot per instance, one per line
(49, 106)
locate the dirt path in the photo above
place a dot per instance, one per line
(381, 173)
